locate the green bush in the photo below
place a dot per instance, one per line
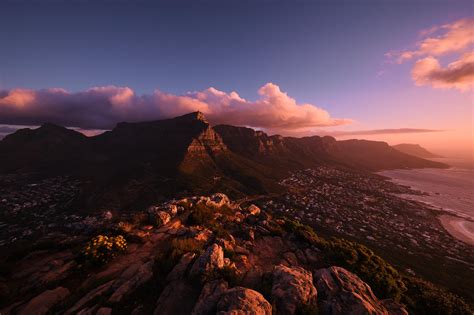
(423, 297)
(101, 249)
(204, 215)
(384, 280)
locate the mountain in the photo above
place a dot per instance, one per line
(415, 150)
(46, 148)
(289, 153)
(137, 163)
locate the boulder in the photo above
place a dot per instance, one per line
(172, 209)
(158, 216)
(241, 300)
(292, 289)
(218, 200)
(210, 294)
(341, 292)
(253, 210)
(179, 271)
(178, 297)
(42, 303)
(162, 218)
(211, 260)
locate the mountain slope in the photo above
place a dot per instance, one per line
(49, 147)
(290, 153)
(415, 150)
(137, 163)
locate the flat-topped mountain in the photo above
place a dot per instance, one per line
(141, 161)
(415, 150)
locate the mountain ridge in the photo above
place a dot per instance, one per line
(415, 150)
(144, 161)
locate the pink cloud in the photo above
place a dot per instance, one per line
(103, 107)
(456, 39)
(458, 74)
(17, 98)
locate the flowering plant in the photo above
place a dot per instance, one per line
(101, 249)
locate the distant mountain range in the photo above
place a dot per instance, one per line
(138, 162)
(415, 150)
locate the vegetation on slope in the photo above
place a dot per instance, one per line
(420, 297)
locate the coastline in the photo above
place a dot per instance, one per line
(441, 196)
(458, 228)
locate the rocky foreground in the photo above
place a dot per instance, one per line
(203, 255)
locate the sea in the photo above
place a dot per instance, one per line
(449, 189)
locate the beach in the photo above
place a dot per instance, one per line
(451, 190)
(461, 229)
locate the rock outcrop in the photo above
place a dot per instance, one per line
(210, 295)
(211, 260)
(341, 292)
(43, 303)
(239, 260)
(292, 289)
(240, 300)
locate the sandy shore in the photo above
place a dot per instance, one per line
(458, 228)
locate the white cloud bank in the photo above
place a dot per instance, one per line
(103, 107)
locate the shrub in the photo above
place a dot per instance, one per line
(201, 215)
(204, 215)
(379, 274)
(303, 232)
(384, 280)
(423, 297)
(180, 246)
(101, 249)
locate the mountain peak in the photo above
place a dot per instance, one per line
(194, 116)
(51, 126)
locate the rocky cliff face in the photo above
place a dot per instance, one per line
(293, 153)
(136, 163)
(211, 256)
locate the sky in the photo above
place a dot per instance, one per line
(393, 70)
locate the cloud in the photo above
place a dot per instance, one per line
(458, 74)
(449, 38)
(102, 107)
(454, 40)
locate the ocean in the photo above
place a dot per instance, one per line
(450, 189)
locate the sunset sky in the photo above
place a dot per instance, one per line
(398, 71)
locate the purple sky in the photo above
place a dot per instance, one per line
(332, 65)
